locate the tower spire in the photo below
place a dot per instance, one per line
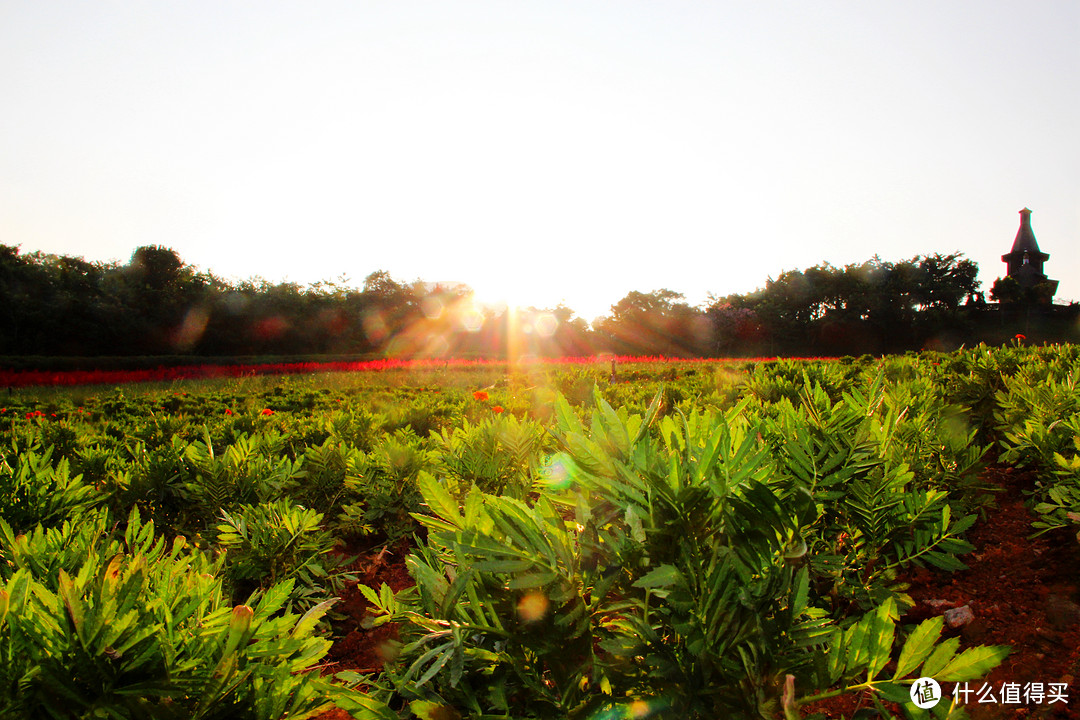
(1025, 237)
(1025, 260)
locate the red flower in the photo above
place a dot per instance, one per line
(1021, 336)
(480, 395)
(497, 409)
(266, 411)
(228, 411)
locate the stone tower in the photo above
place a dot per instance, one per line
(1025, 260)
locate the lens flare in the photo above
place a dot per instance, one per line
(191, 331)
(557, 472)
(375, 327)
(472, 320)
(432, 308)
(533, 607)
(546, 324)
(633, 710)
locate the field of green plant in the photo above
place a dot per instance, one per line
(684, 540)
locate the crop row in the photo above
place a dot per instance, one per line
(720, 544)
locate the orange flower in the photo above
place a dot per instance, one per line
(1021, 336)
(267, 411)
(480, 395)
(497, 409)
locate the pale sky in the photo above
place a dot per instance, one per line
(541, 151)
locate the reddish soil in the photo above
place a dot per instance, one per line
(365, 649)
(1023, 593)
(359, 648)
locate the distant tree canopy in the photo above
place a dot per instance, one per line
(158, 304)
(655, 324)
(875, 306)
(1008, 290)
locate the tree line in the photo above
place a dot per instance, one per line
(156, 304)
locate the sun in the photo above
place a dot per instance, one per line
(502, 294)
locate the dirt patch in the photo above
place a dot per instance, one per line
(359, 647)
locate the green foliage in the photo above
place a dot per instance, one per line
(272, 542)
(151, 479)
(685, 556)
(873, 513)
(330, 480)
(786, 379)
(389, 490)
(500, 454)
(248, 471)
(664, 564)
(355, 426)
(34, 489)
(1038, 420)
(1037, 417)
(141, 630)
(1059, 505)
(856, 657)
(43, 550)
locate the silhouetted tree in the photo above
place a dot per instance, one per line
(654, 324)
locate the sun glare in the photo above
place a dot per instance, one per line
(502, 295)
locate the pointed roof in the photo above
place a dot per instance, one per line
(1025, 238)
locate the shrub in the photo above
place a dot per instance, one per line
(35, 490)
(142, 630)
(662, 576)
(270, 543)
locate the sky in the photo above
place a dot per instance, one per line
(541, 152)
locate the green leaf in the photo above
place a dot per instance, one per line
(663, 576)
(456, 589)
(369, 594)
(435, 667)
(275, 598)
(894, 692)
(800, 593)
(650, 416)
(880, 640)
(974, 663)
(531, 580)
(362, 705)
(855, 645)
(438, 498)
(311, 618)
(568, 422)
(426, 710)
(505, 566)
(943, 561)
(918, 646)
(941, 656)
